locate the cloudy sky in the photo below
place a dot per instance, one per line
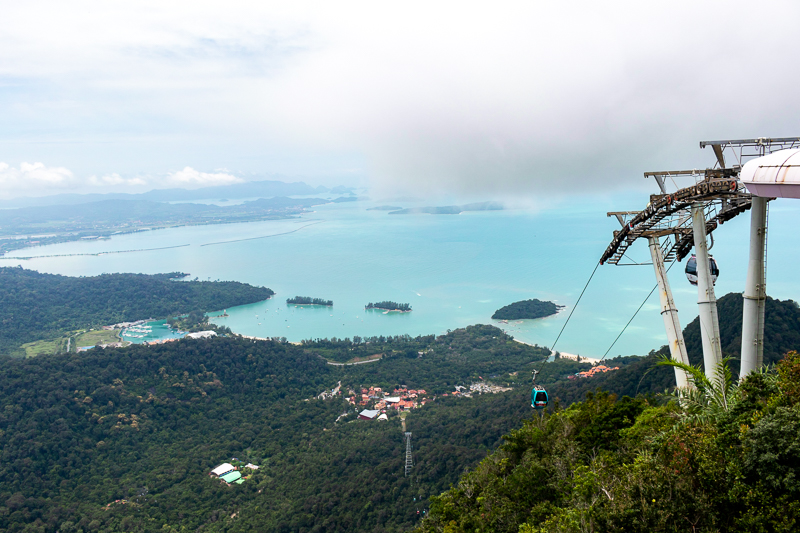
(501, 99)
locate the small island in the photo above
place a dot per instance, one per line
(384, 208)
(527, 309)
(306, 300)
(389, 306)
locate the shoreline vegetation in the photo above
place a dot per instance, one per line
(52, 308)
(389, 306)
(307, 300)
(527, 309)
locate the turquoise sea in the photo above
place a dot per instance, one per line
(454, 270)
(155, 330)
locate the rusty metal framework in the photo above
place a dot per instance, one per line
(675, 222)
(718, 189)
(667, 215)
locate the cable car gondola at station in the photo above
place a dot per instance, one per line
(691, 269)
(538, 394)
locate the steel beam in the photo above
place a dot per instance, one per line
(755, 291)
(677, 348)
(706, 300)
(758, 141)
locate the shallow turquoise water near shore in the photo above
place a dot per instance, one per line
(158, 330)
(454, 270)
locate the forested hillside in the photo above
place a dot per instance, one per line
(147, 424)
(609, 464)
(639, 375)
(781, 329)
(35, 306)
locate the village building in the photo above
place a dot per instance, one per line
(368, 414)
(232, 477)
(596, 370)
(202, 334)
(222, 469)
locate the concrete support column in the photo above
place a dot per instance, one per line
(706, 300)
(755, 291)
(677, 348)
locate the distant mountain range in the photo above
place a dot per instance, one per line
(250, 189)
(111, 212)
(70, 222)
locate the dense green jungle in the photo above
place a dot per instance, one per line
(82, 433)
(147, 424)
(36, 306)
(727, 460)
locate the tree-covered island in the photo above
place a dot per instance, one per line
(389, 306)
(527, 309)
(307, 300)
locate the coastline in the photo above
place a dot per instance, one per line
(574, 357)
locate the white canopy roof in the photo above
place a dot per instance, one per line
(775, 175)
(221, 469)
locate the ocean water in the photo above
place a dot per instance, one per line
(454, 270)
(157, 330)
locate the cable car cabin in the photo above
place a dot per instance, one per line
(538, 397)
(691, 269)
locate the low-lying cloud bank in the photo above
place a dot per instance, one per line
(38, 179)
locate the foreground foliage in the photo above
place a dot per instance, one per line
(608, 464)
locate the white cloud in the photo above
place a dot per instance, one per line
(115, 180)
(37, 179)
(517, 98)
(189, 177)
(31, 177)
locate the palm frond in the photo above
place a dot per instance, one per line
(710, 398)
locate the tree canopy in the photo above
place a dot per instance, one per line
(526, 309)
(624, 464)
(35, 306)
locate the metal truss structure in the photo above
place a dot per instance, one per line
(409, 458)
(675, 222)
(668, 214)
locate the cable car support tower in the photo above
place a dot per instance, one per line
(409, 457)
(674, 222)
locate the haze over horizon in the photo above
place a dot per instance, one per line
(520, 100)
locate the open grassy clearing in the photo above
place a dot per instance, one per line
(97, 336)
(78, 338)
(32, 349)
